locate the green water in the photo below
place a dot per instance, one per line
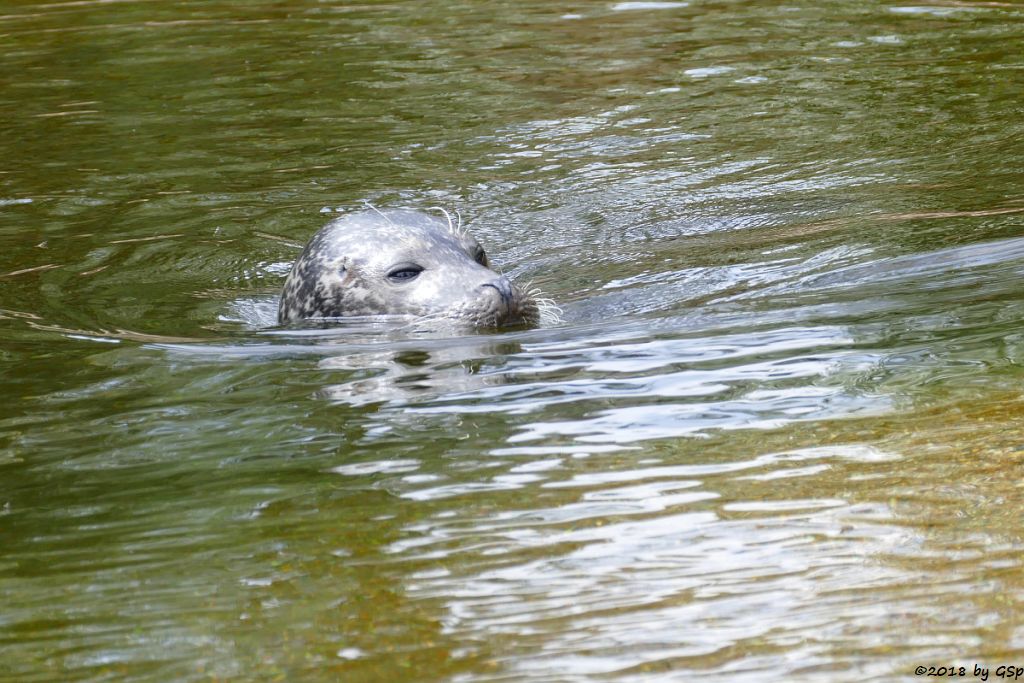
(774, 437)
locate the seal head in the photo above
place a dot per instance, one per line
(400, 262)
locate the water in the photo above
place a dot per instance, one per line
(774, 437)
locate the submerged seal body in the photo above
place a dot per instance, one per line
(400, 262)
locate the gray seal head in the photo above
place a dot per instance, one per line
(400, 262)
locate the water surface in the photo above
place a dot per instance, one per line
(774, 437)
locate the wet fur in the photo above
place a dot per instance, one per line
(343, 271)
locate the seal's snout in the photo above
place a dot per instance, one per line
(505, 290)
(506, 304)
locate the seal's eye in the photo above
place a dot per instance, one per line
(481, 257)
(405, 272)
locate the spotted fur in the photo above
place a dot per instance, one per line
(344, 271)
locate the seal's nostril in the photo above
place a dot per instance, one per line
(504, 289)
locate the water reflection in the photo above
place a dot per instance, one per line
(414, 376)
(651, 569)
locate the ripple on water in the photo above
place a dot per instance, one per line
(774, 438)
(644, 567)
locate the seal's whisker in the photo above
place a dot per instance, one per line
(550, 305)
(534, 292)
(545, 301)
(420, 320)
(548, 312)
(459, 216)
(451, 227)
(382, 214)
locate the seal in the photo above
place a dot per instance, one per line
(403, 262)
